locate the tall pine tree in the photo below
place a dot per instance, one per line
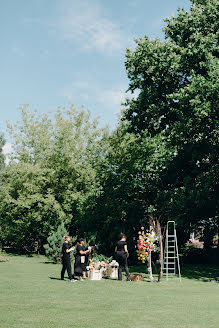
(55, 241)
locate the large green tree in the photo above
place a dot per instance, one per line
(130, 182)
(52, 174)
(177, 80)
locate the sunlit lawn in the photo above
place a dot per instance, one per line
(31, 296)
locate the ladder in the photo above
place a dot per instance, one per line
(171, 257)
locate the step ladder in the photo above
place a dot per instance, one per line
(171, 256)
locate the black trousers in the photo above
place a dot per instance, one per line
(122, 260)
(66, 265)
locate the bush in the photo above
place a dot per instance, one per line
(55, 241)
(197, 255)
(101, 257)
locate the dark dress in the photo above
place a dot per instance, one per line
(66, 262)
(86, 259)
(122, 259)
(79, 261)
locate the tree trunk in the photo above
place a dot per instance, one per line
(155, 223)
(161, 250)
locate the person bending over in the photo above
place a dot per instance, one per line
(122, 254)
(80, 259)
(66, 261)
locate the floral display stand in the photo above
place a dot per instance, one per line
(145, 246)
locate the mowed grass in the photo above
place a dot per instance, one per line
(32, 296)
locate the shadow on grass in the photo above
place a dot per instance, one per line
(139, 269)
(199, 272)
(54, 278)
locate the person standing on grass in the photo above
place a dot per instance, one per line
(66, 261)
(122, 254)
(80, 260)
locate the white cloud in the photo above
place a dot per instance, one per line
(113, 97)
(7, 149)
(109, 99)
(85, 24)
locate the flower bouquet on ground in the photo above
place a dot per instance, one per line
(97, 269)
(111, 269)
(145, 245)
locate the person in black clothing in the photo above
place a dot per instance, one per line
(92, 250)
(122, 255)
(80, 265)
(66, 262)
(85, 264)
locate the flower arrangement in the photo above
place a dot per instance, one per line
(97, 269)
(95, 265)
(113, 264)
(101, 265)
(146, 244)
(194, 243)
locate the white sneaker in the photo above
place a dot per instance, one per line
(73, 280)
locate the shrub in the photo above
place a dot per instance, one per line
(55, 241)
(101, 257)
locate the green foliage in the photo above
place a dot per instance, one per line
(178, 85)
(55, 241)
(28, 207)
(53, 173)
(102, 257)
(2, 157)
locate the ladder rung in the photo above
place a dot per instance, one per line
(170, 263)
(172, 257)
(170, 236)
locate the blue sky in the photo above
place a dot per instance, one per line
(58, 51)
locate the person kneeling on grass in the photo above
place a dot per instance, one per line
(66, 261)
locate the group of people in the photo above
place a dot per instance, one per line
(82, 256)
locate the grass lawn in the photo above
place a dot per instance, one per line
(32, 296)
